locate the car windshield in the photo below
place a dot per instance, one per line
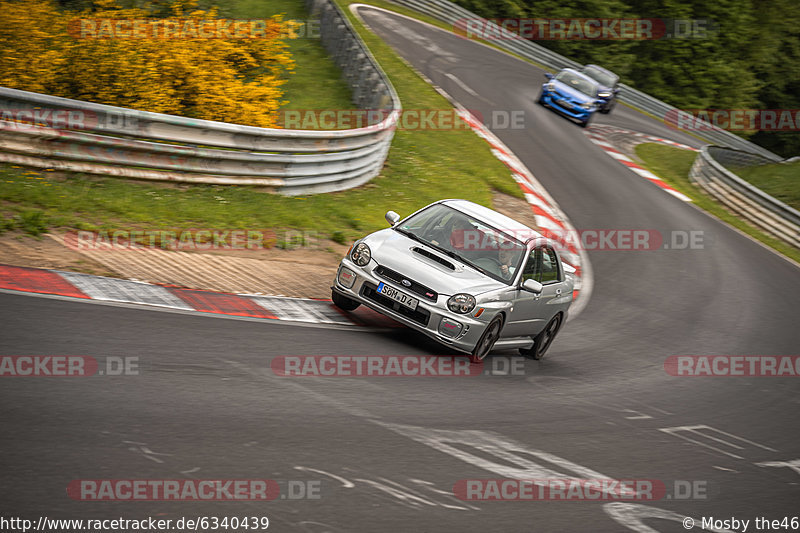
(489, 250)
(577, 82)
(601, 77)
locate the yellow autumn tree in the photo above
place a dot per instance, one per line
(185, 62)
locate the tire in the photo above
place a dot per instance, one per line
(586, 122)
(343, 302)
(544, 339)
(487, 340)
(540, 100)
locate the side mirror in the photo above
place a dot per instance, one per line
(533, 286)
(391, 217)
(548, 76)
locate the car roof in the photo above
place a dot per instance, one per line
(495, 219)
(598, 67)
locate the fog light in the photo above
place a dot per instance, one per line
(346, 277)
(450, 328)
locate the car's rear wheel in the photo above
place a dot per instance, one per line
(487, 340)
(343, 302)
(544, 339)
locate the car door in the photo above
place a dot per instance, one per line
(531, 312)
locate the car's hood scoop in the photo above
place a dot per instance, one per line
(435, 256)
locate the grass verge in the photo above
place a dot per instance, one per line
(673, 165)
(779, 180)
(316, 82)
(423, 166)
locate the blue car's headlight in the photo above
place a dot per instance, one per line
(587, 105)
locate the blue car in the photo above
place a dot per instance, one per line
(572, 94)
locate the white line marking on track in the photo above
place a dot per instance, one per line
(793, 464)
(696, 432)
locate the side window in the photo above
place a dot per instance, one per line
(531, 270)
(542, 266)
(549, 270)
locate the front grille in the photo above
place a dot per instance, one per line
(416, 288)
(421, 316)
(564, 104)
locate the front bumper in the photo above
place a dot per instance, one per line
(572, 111)
(430, 318)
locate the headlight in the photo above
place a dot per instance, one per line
(604, 94)
(461, 303)
(588, 105)
(361, 254)
(551, 86)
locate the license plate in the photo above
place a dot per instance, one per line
(397, 296)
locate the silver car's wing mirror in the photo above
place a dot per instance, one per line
(532, 285)
(392, 217)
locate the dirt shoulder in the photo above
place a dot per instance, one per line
(297, 272)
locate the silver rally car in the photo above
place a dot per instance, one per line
(463, 274)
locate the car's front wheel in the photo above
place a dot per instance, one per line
(544, 339)
(487, 340)
(540, 100)
(343, 302)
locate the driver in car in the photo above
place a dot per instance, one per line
(507, 266)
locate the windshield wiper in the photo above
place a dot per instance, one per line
(413, 236)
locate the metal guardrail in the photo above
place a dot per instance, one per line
(749, 202)
(451, 13)
(79, 136)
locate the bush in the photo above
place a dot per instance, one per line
(226, 79)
